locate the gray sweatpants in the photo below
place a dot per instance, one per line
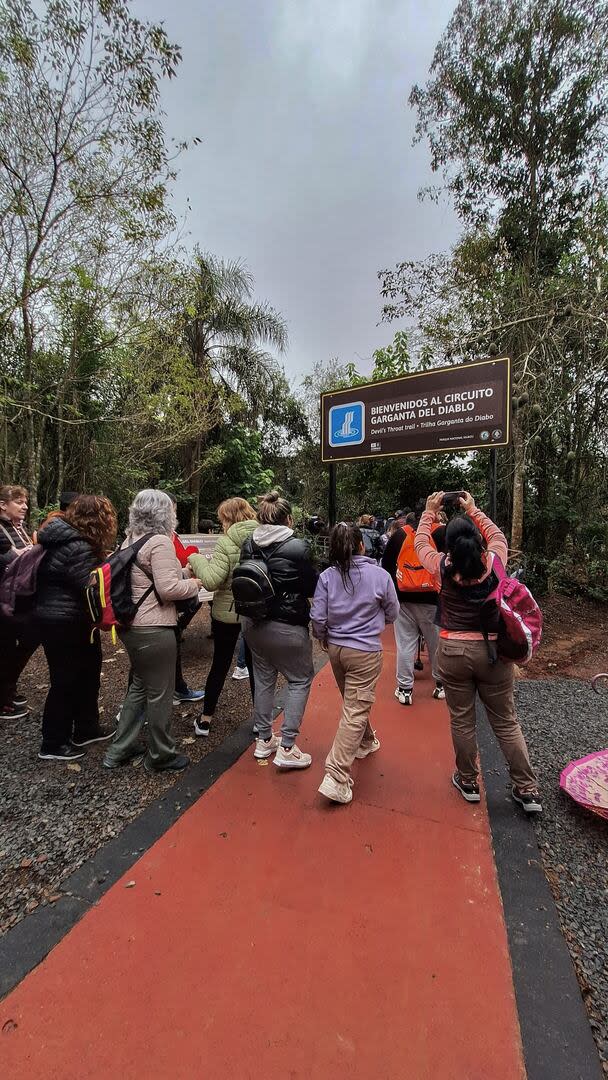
(279, 647)
(152, 651)
(412, 620)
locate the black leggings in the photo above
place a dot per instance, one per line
(225, 637)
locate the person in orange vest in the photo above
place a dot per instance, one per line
(417, 594)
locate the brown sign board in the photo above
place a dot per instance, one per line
(456, 408)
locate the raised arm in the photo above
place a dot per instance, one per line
(425, 549)
(495, 539)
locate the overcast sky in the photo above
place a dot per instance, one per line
(306, 170)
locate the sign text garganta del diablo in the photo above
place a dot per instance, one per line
(462, 407)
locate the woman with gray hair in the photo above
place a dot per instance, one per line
(157, 584)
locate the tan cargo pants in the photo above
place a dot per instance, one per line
(356, 674)
(465, 670)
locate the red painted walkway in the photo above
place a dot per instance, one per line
(292, 939)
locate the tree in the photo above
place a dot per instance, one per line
(514, 113)
(225, 331)
(83, 169)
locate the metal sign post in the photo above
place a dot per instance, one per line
(331, 502)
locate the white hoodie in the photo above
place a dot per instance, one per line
(265, 535)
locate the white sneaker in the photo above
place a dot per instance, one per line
(293, 758)
(240, 673)
(439, 692)
(265, 749)
(331, 789)
(404, 697)
(202, 726)
(364, 751)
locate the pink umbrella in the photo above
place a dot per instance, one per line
(586, 780)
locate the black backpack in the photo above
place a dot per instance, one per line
(252, 586)
(109, 593)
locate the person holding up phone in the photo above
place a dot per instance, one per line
(466, 577)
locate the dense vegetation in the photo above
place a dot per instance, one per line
(129, 360)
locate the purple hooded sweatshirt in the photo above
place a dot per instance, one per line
(354, 616)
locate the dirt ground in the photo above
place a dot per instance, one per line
(575, 639)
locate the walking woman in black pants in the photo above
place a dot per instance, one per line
(238, 521)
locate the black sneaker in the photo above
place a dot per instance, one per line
(530, 801)
(19, 701)
(62, 753)
(176, 764)
(99, 735)
(202, 726)
(470, 792)
(13, 712)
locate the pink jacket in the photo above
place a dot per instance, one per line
(431, 558)
(158, 557)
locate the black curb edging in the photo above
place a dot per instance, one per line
(556, 1035)
(26, 945)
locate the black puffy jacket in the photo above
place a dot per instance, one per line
(64, 573)
(293, 575)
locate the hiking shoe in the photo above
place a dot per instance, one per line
(404, 697)
(439, 692)
(530, 801)
(13, 712)
(331, 789)
(202, 726)
(62, 753)
(19, 701)
(99, 735)
(291, 757)
(266, 748)
(470, 792)
(240, 673)
(180, 697)
(364, 751)
(176, 764)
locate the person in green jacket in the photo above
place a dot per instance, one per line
(238, 521)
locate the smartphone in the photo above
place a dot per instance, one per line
(451, 498)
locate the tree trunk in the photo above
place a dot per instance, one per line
(60, 451)
(517, 521)
(193, 470)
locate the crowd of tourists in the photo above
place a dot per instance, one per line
(426, 574)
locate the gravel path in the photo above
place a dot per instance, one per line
(54, 816)
(564, 720)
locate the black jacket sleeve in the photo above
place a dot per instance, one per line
(391, 554)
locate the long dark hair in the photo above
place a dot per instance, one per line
(344, 543)
(464, 546)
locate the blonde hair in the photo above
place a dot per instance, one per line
(273, 509)
(233, 510)
(366, 520)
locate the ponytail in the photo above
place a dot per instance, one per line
(344, 543)
(464, 546)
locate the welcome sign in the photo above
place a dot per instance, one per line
(462, 407)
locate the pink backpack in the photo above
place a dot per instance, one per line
(520, 624)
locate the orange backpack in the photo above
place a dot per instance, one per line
(411, 576)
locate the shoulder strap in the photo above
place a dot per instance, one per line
(8, 535)
(137, 546)
(270, 554)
